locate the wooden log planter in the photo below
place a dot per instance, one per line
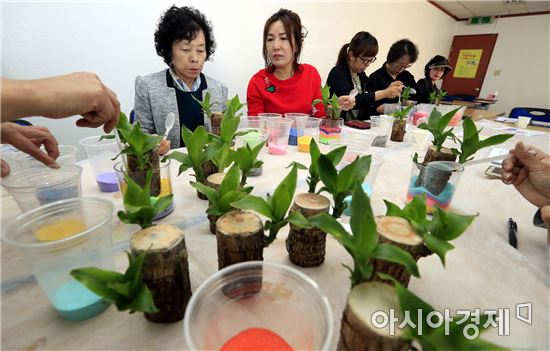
(398, 130)
(165, 270)
(306, 247)
(357, 330)
(214, 181)
(216, 122)
(240, 238)
(398, 231)
(208, 168)
(444, 154)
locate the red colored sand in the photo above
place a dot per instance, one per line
(256, 339)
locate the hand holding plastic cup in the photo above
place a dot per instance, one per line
(279, 132)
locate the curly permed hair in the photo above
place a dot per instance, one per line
(182, 23)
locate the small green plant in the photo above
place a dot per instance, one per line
(341, 184)
(275, 207)
(331, 104)
(220, 201)
(136, 142)
(455, 337)
(197, 152)
(400, 113)
(205, 104)
(436, 126)
(247, 159)
(127, 291)
(362, 243)
(406, 94)
(437, 232)
(140, 207)
(335, 156)
(470, 144)
(437, 96)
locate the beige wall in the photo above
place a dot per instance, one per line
(522, 55)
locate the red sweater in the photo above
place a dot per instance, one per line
(266, 93)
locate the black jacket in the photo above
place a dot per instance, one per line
(340, 83)
(381, 79)
(424, 89)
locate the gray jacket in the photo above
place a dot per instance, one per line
(154, 99)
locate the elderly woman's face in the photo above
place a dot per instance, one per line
(278, 46)
(400, 65)
(188, 57)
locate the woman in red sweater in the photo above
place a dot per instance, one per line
(285, 85)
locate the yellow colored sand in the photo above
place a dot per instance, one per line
(60, 230)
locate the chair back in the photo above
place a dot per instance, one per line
(536, 114)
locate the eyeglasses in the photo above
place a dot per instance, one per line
(367, 60)
(401, 66)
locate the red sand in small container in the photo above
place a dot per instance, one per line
(256, 339)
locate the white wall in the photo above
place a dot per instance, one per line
(522, 55)
(115, 39)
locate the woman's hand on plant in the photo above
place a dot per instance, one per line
(164, 146)
(346, 102)
(528, 169)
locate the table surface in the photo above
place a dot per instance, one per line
(483, 271)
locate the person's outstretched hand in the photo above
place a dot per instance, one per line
(346, 102)
(79, 93)
(528, 169)
(29, 139)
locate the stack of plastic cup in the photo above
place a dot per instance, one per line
(297, 119)
(279, 131)
(252, 122)
(101, 154)
(38, 186)
(60, 237)
(308, 129)
(67, 156)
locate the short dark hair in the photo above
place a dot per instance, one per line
(362, 44)
(401, 48)
(437, 59)
(293, 28)
(182, 23)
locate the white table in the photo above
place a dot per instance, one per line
(483, 271)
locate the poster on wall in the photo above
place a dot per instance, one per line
(467, 63)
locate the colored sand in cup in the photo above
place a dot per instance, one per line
(293, 137)
(366, 188)
(276, 149)
(303, 143)
(256, 339)
(253, 139)
(442, 200)
(49, 194)
(107, 182)
(60, 230)
(75, 302)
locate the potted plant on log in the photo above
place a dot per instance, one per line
(437, 96)
(411, 230)
(400, 122)
(356, 332)
(228, 190)
(214, 117)
(240, 235)
(437, 123)
(341, 184)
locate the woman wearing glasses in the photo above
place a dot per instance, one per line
(349, 73)
(285, 85)
(402, 54)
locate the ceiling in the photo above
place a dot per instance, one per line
(465, 9)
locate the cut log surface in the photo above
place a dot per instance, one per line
(215, 180)
(240, 238)
(445, 154)
(357, 331)
(165, 270)
(306, 247)
(398, 232)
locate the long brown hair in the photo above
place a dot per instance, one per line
(293, 28)
(362, 44)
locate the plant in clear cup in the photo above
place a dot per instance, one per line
(398, 126)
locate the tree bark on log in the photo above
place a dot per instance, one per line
(240, 238)
(216, 122)
(398, 130)
(208, 168)
(140, 176)
(357, 332)
(165, 270)
(398, 232)
(306, 247)
(214, 181)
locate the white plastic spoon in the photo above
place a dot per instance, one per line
(453, 166)
(169, 123)
(353, 93)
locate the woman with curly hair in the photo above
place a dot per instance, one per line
(285, 85)
(184, 39)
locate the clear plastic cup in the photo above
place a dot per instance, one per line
(9, 154)
(101, 154)
(380, 127)
(67, 156)
(297, 119)
(267, 115)
(161, 183)
(62, 236)
(279, 132)
(307, 130)
(330, 129)
(253, 137)
(263, 295)
(252, 122)
(38, 186)
(419, 139)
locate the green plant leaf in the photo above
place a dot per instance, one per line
(97, 281)
(210, 193)
(224, 205)
(416, 209)
(392, 209)
(299, 220)
(254, 203)
(230, 181)
(330, 225)
(162, 204)
(283, 195)
(439, 246)
(448, 225)
(395, 254)
(362, 222)
(328, 174)
(143, 301)
(353, 174)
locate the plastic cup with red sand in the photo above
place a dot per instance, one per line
(101, 154)
(279, 132)
(258, 306)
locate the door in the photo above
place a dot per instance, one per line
(469, 57)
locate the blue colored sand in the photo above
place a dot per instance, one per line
(366, 188)
(75, 302)
(293, 137)
(444, 198)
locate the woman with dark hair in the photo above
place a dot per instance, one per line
(184, 40)
(402, 54)
(349, 74)
(434, 70)
(285, 85)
